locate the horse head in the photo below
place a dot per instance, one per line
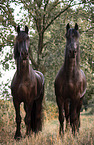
(22, 44)
(72, 43)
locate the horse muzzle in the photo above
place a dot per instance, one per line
(72, 53)
(24, 55)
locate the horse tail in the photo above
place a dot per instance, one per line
(37, 117)
(37, 105)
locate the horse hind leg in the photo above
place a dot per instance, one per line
(78, 113)
(18, 120)
(73, 117)
(67, 113)
(27, 119)
(38, 115)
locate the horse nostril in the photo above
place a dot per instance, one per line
(22, 53)
(70, 51)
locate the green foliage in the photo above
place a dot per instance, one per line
(48, 18)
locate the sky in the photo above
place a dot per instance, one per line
(8, 74)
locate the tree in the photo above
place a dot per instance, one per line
(41, 13)
(46, 20)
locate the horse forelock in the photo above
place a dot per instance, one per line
(72, 33)
(22, 36)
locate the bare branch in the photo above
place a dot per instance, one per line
(46, 5)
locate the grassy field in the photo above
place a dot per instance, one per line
(50, 132)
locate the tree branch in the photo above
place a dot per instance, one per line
(55, 18)
(53, 7)
(10, 16)
(61, 12)
(46, 5)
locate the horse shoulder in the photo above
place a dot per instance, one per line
(59, 82)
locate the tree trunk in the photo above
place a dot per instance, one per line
(40, 46)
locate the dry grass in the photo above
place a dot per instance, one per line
(49, 134)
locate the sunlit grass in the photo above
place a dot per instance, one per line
(50, 131)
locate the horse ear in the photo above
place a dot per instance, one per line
(18, 29)
(67, 27)
(76, 26)
(26, 29)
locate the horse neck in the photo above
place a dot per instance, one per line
(71, 67)
(23, 68)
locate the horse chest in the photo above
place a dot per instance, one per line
(25, 89)
(70, 88)
(74, 88)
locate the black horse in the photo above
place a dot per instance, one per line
(70, 83)
(27, 86)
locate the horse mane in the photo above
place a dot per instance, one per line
(16, 52)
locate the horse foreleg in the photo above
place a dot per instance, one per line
(78, 112)
(61, 119)
(18, 120)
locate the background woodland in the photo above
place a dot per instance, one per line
(47, 21)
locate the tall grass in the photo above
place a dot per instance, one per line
(50, 131)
